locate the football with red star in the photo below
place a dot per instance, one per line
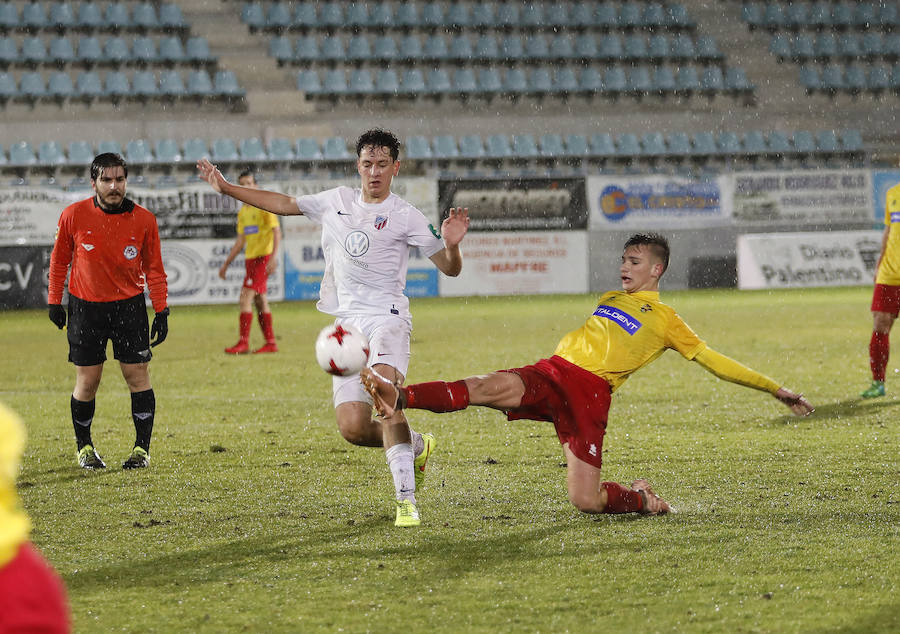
(342, 350)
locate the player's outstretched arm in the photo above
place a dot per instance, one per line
(453, 230)
(273, 202)
(796, 402)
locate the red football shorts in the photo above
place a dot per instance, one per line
(255, 276)
(32, 596)
(574, 400)
(886, 299)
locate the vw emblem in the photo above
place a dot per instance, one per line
(357, 243)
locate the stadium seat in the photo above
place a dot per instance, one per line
(540, 81)
(167, 151)
(562, 47)
(252, 149)
(601, 145)
(586, 48)
(88, 86)
(358, 48)
(708, 50)
(736, 81)
(116, 51)
(34, 52)
(418, 148)
(487, 47)
(279, 149)
(308, 82)
(435, 48)
(611, 48)
(614, 81)
(461, 49)
(663, 80)
(854, 79)
(22, 154)
(683, 47)
(532, 15)
(253, 16)
(825, 46)
(357, 15)
(687, 81)
(507, 15)
(60, 52)
(9, 52)
(199, 84)
(387, 83)
(335, 82)
(653, 144)
(306, 49)
(9, 16)
(335, 149)
(89, 52)
(432, 15)
(678, 144)
(138, 152)
(194, 150)
(308, 150)
(34, 16)
(566, 81)
(360, 82)
(464, 82)
(827, 142)
(32, 87)
(458, 16)
(483, 15)
(471, 146)
(223, 150)
(591, 81)
(171, 17)
(878, 79)
(658, 48)
(437, 82)
(729, 143)
(536, 47)
(144, 85)
(577, 145)
(712, 80)
(406, 15)
(8, 87)
(704, 144)
(755, 143)
(810, 79)
(606, 15)
(780, 47)
(143, 51)
(627, 144)
(386, 49)
(849, 45)
(639, 81)
(773, 17)
(144, 16)
(278, 17)
(306, 17)
(489, 81)
(552, 146)
(635, 47)
(525, 146)
(444, 147)
(51, 153)
(833, 78)
(226, 84)
(803, 142)
(171, 50)
(331, 14)
(412, 83)
(779, 143)
(630, 14)
(851, 140)
(197, 51)
(108, 146)
(171, 85)
(80, 153)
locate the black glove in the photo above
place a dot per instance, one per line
(160, 327)
(58, 315)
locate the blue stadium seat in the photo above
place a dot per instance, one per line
(611, 48)
(406, 15)
(566, 81)
(22, 154)
(878, 79)
(171, 17)
(194, 150)
(755, 143)
(144, 16)
(487, 48)
(9, 51)
(773, 17)
(842, 14)
(833, 78)
(89, 51)
(780, 46)
(280, 149)
(779, 143)
(199, 84)
(32, 86)
(360, 82)
(854, 79)
(88, 86)
(464, 82)
(489, 81)
(458, 15)
(8, 87)
(803, 142)
(306, 17)
(435, 48)
(308, 82)
(223, 150)
(253, 16)
(515, 82)
(591, 81)
(606, 16)
(197, 51)
(60, 52)
(306, 49)
(409, 48)
(438, 82)
(827, 142)
(752, 14)
(225, 84)
(552, 146)
(9, 16)
(525, 146)
(871, 44)
(331, 14)
(432, 15)
(630, 14)
(639, 81)
(335, 149)
(627, 144)
(116, 86)
(712, 80)
(536, 47)
(252, 149)
(444, 147)
(167, 151)
(540, 81)
(658, 48)
(708, 50)
(635, 47)
(577, 145)
(586, 48)
(796, 15)
(116, 51)
(810, 79)
(483, 15)
(653, 144)
(679, 144)
(851, 140)
(803, 47)
(89, 16)
(413, 82)
(654, 15)
(138, 152)
(512, 48)
(471, 146)
(849, 45)
(825, 46)
(358, 48)
(387, 83)
(357, 15)
(143, 51)
(614, 81)
(678, 18)
(385, 48)
(562, 47)
(664, 80)
(33, 52)
(282, 49)
(683, 47)
(171, 85)
(729, 143)
(601, 145)
(34, 16)
(108, 146)
(736, 81)
(461, 49)
(144, 85)
(278, 17)
(51, 153)
(418, 148)
(80, 153)
(507, 15)
(308, 150)
(532, 15)
(687, 80)
(332, 49)
(171, 50)
(704, 144)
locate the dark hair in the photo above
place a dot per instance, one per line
(107, 159)
(378, 138)
(658, 245)
(247, 172)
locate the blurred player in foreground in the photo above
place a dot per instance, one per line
(366, 236)
(32, 596)
(886, 295)
(259, 231)
(113, 247)
(628, 329)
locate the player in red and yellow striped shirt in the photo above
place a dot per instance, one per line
(260, 232)
(886, 294)
(113, 248)
(572, 389)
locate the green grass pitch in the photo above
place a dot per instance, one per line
(255, 515)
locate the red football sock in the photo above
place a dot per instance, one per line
(879, 350)
(265, 322)
(437, 396)
(621, 500)
(246, 322)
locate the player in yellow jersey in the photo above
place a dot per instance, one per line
(32, 597)
(572, 389)
(886, 296)
(260, 232)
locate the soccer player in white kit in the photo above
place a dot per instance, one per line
(366, 236)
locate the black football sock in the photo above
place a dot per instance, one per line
(143, 409)
(82, 417)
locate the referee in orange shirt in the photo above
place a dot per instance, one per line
(113, 248)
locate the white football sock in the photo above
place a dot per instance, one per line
(400, 460)
(418, 445)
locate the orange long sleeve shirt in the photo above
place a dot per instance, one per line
(113, 255)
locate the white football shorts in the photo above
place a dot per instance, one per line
(388, 344)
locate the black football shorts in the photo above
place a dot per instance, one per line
(93, 324)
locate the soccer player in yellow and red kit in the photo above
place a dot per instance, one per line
(32, 596)
(886, 296)
(260, 232)
(112, 245)
(628, 329)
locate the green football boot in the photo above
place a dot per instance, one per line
(875, 390)
(407, 514)
(139, 459)
(88, 458)
(422, 459)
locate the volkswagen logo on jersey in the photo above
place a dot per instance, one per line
(357, 243)
(380, 222)
(130, 252)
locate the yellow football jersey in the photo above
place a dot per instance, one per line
(889, 270)
(626, 332)
(14, 523)
(256, 226)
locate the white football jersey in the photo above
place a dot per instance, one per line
(366, 247)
